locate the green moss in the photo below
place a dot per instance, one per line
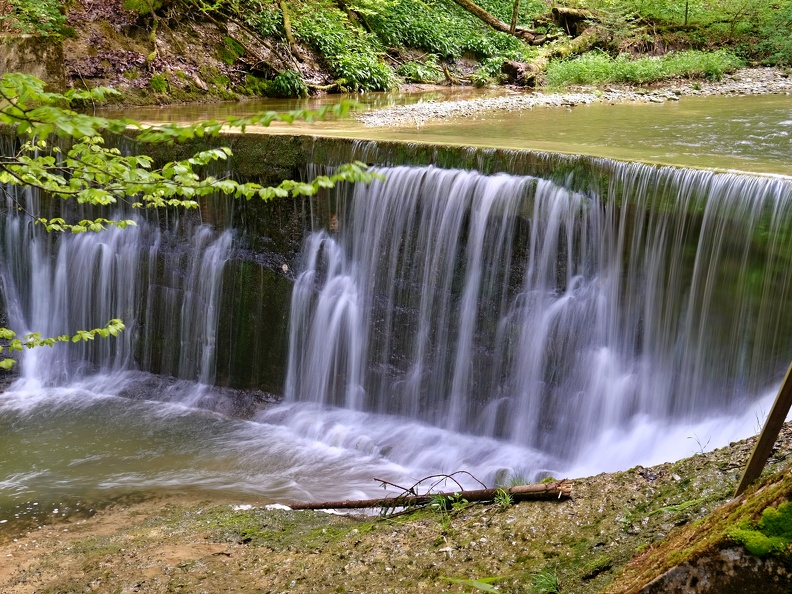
(752, 520)
(757, 543)
(771, 535)
(230, 51)
(596, 566)
(257, 86)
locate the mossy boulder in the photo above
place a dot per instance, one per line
(743, 546)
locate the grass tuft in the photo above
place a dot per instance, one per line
(598, 68)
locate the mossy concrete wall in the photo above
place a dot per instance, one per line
(253, 333)
(40, 56)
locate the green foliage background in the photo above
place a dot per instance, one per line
(358, 39)
(40, 17)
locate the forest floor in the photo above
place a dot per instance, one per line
(746, 81)
(184, 543)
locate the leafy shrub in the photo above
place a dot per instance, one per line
(289, 84)
(159, 84)
(488, 73)
(777, 41)
(353, 53)
(264, 17)
(36, 17)
(428, 72)
(599, 68)
(443, 28)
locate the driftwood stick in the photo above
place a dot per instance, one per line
(549, 491)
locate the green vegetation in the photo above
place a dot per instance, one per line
(546, 582)
(372, 45)
(772, 534)
(289, 84)
(441, 27)
(426, 72)
(481, 584)
(231, 50)
(599, 68)
(158, 83)
(88, 172)
(504, 499)
(36, 17)
(353, 53)
(776, 41)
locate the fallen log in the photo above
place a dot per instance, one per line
(497, 24)
(525, 73)
(547, 492)
(572, 20)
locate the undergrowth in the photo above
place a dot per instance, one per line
(599, 68)
(353, 53)
(33, 17)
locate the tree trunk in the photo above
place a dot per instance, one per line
(573, 21)
(515, 14)
(287, 22)
(550, 491)
(495, 22)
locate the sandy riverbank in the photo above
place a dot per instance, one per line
(747, 81)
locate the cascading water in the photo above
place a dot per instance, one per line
(519, 309)
(165, 289)
(442, 320)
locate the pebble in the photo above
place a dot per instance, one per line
(748, 81)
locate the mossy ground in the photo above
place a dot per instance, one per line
(184, 544)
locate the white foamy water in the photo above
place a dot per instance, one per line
(500, 325)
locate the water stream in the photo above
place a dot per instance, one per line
(440, 320)
(519, 309)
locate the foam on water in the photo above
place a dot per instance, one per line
(449, 321)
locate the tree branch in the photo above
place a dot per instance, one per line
(547, 492)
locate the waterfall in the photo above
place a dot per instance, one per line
(441, 319)
(536, 312)
(163, 281)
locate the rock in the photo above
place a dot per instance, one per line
(518, 73)
(728, 571)
(765, 80)
(39, 56)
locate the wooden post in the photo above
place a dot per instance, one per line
(769, 434)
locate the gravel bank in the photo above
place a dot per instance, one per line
(748, 81)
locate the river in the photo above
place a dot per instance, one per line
(442, 321)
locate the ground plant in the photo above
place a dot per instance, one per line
(353, 53)
(37, 17)
(600, 68)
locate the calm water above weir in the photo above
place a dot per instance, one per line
(746, 133)
(440, 321)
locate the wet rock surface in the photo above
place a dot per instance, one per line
(180, 542)
(748, 81)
